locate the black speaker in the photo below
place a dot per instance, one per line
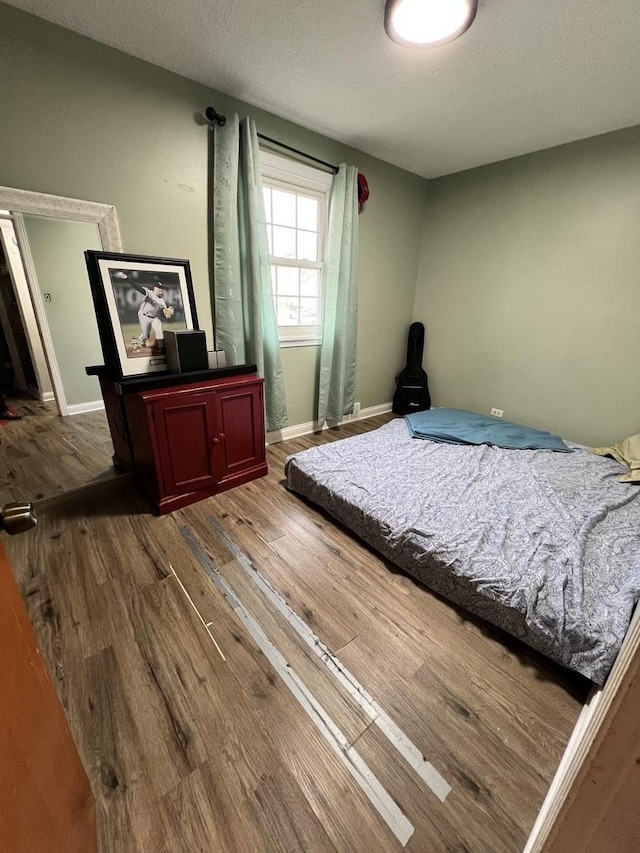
(186, 350)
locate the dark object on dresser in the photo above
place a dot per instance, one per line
(186, 350)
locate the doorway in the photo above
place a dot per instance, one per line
(52, 249)
(42, 244)
(23, 364)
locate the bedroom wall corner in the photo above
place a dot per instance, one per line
(528, 288)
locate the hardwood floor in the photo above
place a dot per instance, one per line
(43, 455)
(189, 751)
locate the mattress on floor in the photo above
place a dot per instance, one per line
(544, 545)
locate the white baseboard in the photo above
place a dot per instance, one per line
(83, 408)
(372, 411)
(314, 426)
(47, 396)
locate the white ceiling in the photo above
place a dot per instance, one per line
(528, 75)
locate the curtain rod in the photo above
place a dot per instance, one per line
(214, 117)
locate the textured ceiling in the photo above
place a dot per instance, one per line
(528, 75)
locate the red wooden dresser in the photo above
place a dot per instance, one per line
(188, 436)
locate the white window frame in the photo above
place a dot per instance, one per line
(282, 173)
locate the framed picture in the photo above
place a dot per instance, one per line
(137, 298)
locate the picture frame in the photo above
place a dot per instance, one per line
(136, 299)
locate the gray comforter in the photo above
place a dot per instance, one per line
(544, 545)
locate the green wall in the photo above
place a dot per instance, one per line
(529, 287)
(57, 248)
(80, 119)
(527, 270)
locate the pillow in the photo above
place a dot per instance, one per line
(626, 452)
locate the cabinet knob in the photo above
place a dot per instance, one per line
(222, 436)
(215, 440)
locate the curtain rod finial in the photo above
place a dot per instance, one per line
(214, 116)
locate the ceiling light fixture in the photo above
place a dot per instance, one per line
(428, 23)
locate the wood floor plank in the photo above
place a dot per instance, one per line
(108, 736)
(275, 818)
(71, 606)
(497, 719)
(349, 717)
(346, 815)
(480, 752)
(467, 822)
(189, 752)
(287, 821)
(346, 714)
(201, 815)
(295, 578)
(304, 579)
(44, 454)
(403, 609)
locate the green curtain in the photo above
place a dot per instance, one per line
(336, 390)
(245, 322)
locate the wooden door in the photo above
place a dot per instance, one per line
(240, 445)
(45, 799)
(185, 431)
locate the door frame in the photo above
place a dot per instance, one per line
(590, 758)
(19, 202)
(9, 240)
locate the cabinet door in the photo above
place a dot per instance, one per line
(185, 432)
(239, 444)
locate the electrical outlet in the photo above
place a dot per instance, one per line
(497, 413)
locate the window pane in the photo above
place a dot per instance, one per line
(284, 208)
(309, 283)
(310, 312)
(287, 311)
(296, 227)
(266, 192)
(288, 281)
(307, 213)
(307, 246)
(284, 242)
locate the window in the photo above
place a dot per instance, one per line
(296, 209)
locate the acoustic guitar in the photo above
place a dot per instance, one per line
(412, 383)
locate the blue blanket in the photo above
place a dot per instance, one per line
(457, 426)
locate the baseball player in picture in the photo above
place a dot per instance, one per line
(150, 313)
